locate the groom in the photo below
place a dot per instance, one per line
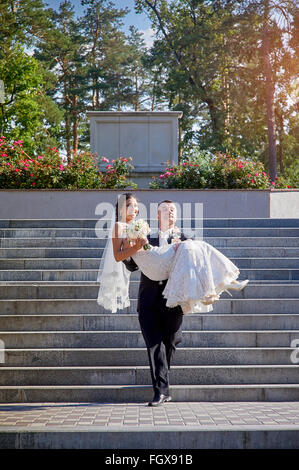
(161, 326)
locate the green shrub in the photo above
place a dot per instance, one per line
(21, 171)
(220, 171)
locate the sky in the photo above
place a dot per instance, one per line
(140, 21)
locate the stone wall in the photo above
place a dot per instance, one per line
(150, 138)
(56, 203)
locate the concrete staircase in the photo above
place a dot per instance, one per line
(61, 346)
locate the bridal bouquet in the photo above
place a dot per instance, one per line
(138, 229)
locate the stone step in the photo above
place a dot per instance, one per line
(134, 339)
(138, 356)
(69, 291)
(280, 282)
(127, 322)
(90, 275)
(217, 242)
(70, 242)
(139, 375)
(143, 393)
(231, 252)
(49, 263)
(269, 242)
(62, 275)
(206, 232)
(83, 306)
(93, 263)
(52, 223)
(241, 263)
(208, 222)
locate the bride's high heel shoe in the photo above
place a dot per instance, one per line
(236, 285)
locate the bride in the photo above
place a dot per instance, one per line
(200, 271)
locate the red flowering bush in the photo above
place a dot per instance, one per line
(117, 172)
(19, 170)
(220, 171)
(235, 173)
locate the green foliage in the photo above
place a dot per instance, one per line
(219, 171)
(117, 172)
(23, 21)
(18, 170)
(213, 70)
(206, 60)
(21, 114)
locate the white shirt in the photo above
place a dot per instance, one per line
(163, 236)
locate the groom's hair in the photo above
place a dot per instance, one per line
(165, 200)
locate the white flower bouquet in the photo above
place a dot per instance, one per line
(138, 229)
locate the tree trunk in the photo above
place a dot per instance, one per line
(118, 93)
(216, 121)
(93, 97)
(75, 135)
(68, 135)
(281, 138)
(180, 155)
(136, 92)
(180, 143)
(75, 125)
(269, 89)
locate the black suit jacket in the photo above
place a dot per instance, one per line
(148, 289)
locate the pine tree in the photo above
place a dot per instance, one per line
(105, 53)
(62, 52)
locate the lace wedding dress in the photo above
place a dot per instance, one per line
(197, 273)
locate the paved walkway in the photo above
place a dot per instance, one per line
(199, 414)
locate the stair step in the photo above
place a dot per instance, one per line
(84, 306)
(253, 274)
(143, 393)
(138, 356)
(94, 263)
(217, 242)
(65, 252)
(139, 375)
(207, 222)
(59, 342)
(134, 339)
(92, 233)
(69, 291)
(241, 263)
(129, 322)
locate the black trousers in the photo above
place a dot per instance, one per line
(161, 328)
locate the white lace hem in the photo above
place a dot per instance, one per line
(112, 294)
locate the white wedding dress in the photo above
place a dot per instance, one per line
(197, 273)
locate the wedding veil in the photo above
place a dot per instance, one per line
(113, 276)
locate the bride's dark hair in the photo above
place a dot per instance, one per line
(122, 201)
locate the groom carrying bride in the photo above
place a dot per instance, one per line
(160, 325)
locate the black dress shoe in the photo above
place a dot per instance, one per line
(159, 400)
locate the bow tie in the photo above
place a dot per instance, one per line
(170, 233)
(167, 232)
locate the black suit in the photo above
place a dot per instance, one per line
(161, 326)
